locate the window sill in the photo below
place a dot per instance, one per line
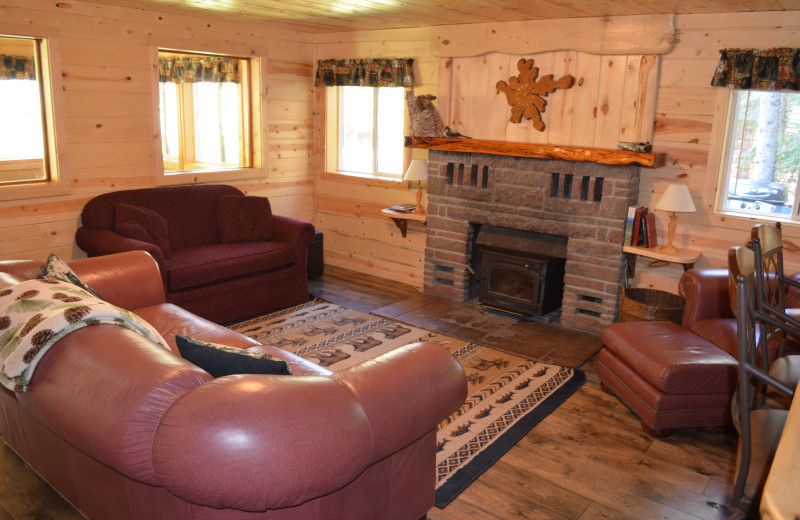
(365, 180)
(203, 176)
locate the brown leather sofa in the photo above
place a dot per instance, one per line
(678, 376)
(222, 256)
(126, 430)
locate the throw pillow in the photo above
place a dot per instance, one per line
(58, 269)
(142, 224)
(220, 360)
(244, 219)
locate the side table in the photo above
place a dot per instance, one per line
(401, 218)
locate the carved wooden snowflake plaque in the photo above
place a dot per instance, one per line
(525, 94)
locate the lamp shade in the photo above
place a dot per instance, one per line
(676, 198)
(417, 170)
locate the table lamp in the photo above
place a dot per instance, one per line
(675, 199)
(417, 171)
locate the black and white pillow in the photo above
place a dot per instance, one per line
(221, 360)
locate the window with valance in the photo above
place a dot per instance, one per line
(365, 114)
(205, 115)
(759, 171)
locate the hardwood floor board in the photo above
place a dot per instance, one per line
(499, 501)
(396, 309)
(597, 512)
(609, 482)
(545, 494)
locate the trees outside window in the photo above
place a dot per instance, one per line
(762, 158)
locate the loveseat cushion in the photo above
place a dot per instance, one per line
(244, 219)
(142, 224)
(220, 360)
(208, 264)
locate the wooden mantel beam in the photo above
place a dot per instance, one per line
(539, 151)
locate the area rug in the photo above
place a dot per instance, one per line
(508, 394)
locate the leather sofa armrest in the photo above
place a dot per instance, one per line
(258, 442)
(406, 393)
(19, 270)
(707, 295)
(292, 230)
(130, 280)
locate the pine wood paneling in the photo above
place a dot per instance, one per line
(106, 55)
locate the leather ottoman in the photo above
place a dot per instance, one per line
(668, 375)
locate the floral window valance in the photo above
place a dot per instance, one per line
(196, 69)
(17, 67)
(380, 72)
(753, 69)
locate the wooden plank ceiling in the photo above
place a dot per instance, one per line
(360, 15)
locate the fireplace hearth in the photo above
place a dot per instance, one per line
(579, 207)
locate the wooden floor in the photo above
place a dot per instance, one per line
(588, 460)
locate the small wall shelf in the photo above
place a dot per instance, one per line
(401, 218)
(685, 257)
(539, 151)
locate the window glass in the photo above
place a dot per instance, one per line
(389, 147)
(23, 144)
(371, 124)
(762, 155)
(204, 113)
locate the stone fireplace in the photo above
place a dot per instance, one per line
(584, 202)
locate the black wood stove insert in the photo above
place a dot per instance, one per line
(519, 272)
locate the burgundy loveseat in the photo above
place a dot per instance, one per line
(127, 430)
(222, 256)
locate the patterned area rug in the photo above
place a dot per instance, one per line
(508, 394)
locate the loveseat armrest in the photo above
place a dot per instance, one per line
(258, 442)
(130, 280)
(406, 393)
(292, 230)
(98, 242)
(707, 295)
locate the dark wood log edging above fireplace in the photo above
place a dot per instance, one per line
(539, 151)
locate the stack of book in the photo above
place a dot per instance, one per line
(640, 227)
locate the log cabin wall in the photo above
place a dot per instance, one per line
(689, 120)
(348, 208)
(110, 130)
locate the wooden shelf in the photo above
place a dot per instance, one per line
(685, 257)
(539, 151)
(401, 218)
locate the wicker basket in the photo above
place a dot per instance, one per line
(641, 304)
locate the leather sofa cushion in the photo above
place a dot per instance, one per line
(209, 264)
(244, 219)
(672, 358)
(142, 224)
(170, 321)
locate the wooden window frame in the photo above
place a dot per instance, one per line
(57, 179)
(254, 138)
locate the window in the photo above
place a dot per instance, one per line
(205, 112)
(762, 157)
(23, 144)
(365, 132)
